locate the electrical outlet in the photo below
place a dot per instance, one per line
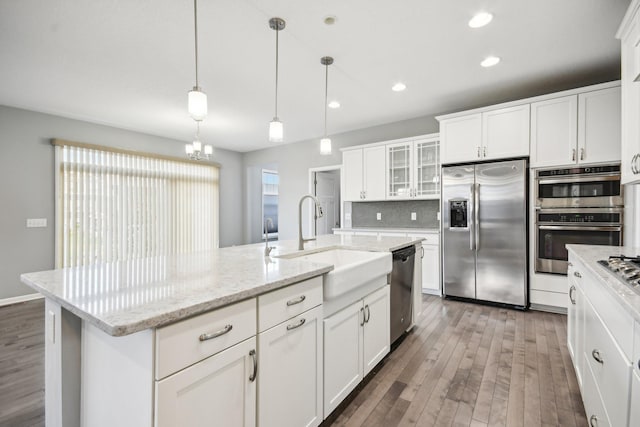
(36, 222)
(379, 216)
(438, 216)
(413, 216)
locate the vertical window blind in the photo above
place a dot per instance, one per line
(115, 206)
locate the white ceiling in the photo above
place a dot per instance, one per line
(130, 63)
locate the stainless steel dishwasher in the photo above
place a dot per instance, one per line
(401, 286)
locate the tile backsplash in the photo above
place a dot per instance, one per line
(395, 214)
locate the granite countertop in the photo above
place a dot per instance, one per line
(392, 229)
(591, 254)
(125, 297)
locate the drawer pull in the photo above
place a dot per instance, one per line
(577, 274)
(297, 325)
(582, 154)
(596, 355)
(254, 374)
(638, 363)
(591, 421)
(296, 301)
(362, 312)
(368, 313)
(571, 291)
(226, 330)
(573, 155)
(569, 264)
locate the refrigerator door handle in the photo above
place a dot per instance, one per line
(472, 226)
(476, 211)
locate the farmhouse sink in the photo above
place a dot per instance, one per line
(351, 269)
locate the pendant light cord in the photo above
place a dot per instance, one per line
(195, 20)
(276, 108)
(326, 91)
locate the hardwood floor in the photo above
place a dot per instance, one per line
(22, 364)
(472, 365)
(463, 365)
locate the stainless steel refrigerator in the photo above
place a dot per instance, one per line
(484, 232)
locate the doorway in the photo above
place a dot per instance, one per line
(325, 185)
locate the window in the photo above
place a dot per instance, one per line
(270, 183)
(114, 205)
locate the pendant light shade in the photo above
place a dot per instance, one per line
(197, 104)
(325, 143)
(276, 128)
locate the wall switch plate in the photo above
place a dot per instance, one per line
(51, 326)
(413, 216)
(379, 216)
(36, 222)
(438, 215)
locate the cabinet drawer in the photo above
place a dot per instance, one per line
(593, 406)
(611, 369)
(185, 343)
(635, 358)
(278, 306)
(619, 322)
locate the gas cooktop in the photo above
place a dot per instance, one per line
(626, 269)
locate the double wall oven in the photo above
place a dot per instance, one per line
(576, 206)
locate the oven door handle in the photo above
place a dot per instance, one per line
(578, 228)
(570, 179)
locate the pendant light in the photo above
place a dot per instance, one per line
(276, 129)
(197, 101)
(195, 149)
(325, 143)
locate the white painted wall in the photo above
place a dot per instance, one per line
(27, 186)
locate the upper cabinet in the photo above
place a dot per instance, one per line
(494, 134)
(629, 35)
(576, 129)
(361, 175)
(392, 170)
(413, 169)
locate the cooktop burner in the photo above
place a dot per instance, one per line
(625, 268)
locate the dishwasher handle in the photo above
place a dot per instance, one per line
(404, 254)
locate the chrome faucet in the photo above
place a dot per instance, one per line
(267, 248)
(301, 240)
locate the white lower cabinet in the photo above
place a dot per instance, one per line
(593, 405)
(634, 415)
(356, 338)
(220, 390)
(290, 379)
(429, 255)
(575, 324)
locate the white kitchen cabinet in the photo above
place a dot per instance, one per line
(593, 404)
(290, 382)
(413, 169)
(363, 174)
(575, 323)
(629, 35)
(356, 338)
(494, 134)
(429, 256)
(220, 390)
(634, 415)
(576, 129)
(461, 138)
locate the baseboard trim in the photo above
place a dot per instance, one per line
(19, 299)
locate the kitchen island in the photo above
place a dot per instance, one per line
(603, 335)
(113, 330)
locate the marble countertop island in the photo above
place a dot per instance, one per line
(591, 254)
(125, 297)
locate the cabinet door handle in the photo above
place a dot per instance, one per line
(296, 325)
(636, 163)
(573, 155)
(633, 164)
(582, 154)
(368, 313)
(596, 355)
(478, 151)
(484, 151)
(254, 374)
(638, 363)
(296, 301)
(593, 419)
(422, 256)
(571, 291)
(577, 274)
(362, 312)
(216, 334)
(569, 264)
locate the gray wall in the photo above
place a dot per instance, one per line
(396, 214)
(293, 161)
(27, 189)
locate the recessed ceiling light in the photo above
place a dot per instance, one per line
(480, 19)
(398, 87)
(334, 104)
(490, 61)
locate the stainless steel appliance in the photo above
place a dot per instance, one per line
(595, 186)
(626, 269)
(401, 285)
(484, 231)
(556, 228)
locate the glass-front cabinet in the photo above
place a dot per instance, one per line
(413, 169)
